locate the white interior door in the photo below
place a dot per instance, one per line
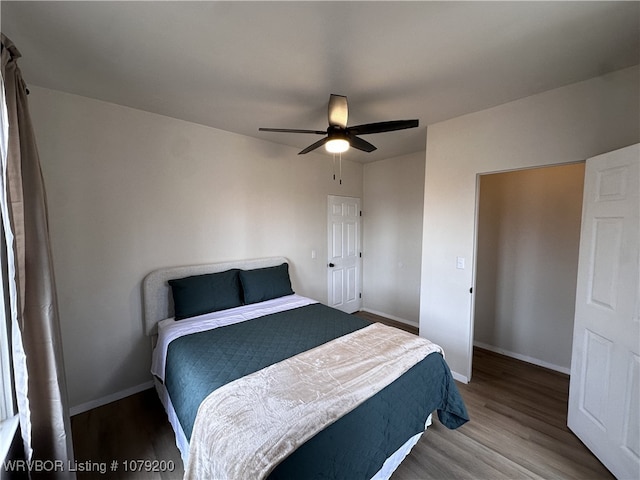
(604, 393)
(344, 263)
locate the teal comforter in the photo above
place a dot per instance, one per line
(351, 448)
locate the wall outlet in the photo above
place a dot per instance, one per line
(460, 263)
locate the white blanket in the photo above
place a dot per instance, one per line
(245, 428)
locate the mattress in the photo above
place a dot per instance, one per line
(243, 341)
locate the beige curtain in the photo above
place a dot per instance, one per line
(37, 347)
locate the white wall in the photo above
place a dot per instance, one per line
(564, 125)
(392, 226)
(527, 263)
(131, 191)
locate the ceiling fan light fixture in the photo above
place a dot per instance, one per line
(337, 145)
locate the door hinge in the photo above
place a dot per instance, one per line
(360, 295)
(360, 212)
(360, 254)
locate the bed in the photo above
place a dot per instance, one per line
(259, 382)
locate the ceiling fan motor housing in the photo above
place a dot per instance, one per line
(334, 132)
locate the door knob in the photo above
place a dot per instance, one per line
(331, 265)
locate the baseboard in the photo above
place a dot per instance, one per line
(114, 397)
(390, 317)
(459, 378)
(524, 358)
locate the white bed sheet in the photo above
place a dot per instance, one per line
(170, 329)
(181, 439)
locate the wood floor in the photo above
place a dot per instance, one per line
(517, 431)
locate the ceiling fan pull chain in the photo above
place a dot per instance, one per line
(340, 168)
(334, 166)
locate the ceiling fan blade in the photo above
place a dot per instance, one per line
(319, 143)
(338, 111)
(360, 144)
(380, 127)
(292, 130)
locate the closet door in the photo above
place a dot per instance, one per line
(604, 389)
(344, 263)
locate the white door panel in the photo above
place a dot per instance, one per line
(604, 393)
(344, 263)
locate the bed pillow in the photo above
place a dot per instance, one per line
(267, 283)
(200, 294)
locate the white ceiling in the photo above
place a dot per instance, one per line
(238, 66)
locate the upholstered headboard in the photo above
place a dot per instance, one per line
(156, 292)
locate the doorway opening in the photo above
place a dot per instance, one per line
(528, 235)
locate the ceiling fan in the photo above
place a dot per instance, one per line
(339, 137)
